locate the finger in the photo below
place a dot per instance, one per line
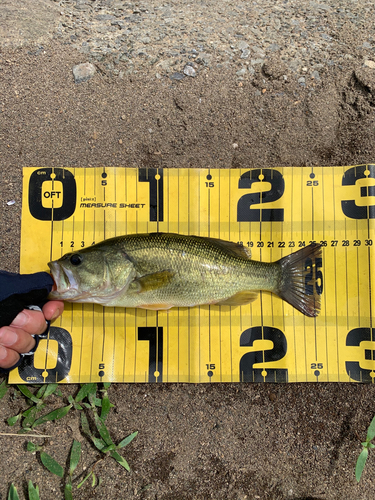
(15, 339)
(8, 357)
(32, 322)
(53, 309)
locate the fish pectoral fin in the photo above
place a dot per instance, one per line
(152, 281)
(239, 299)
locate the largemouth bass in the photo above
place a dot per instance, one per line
(163, 270)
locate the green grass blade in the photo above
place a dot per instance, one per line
(106, 385)
(30, 416)
(119, 459)
(371, 430)
(33, 447)
(68, 492)
(75, 455)
(109, 448)
(25, 391)
(33, 492)
(51, 388)
(127, 440)
(51, 464)
(85, 425)
(86, 429)
(106, 407)
(84, 391)
(360, 465)
(103, 431)
(99, 443)
(84, 480)
(53, 415)
(41, 391)
(12, 420)
(94, 401)
(3, 388)
(12, 494)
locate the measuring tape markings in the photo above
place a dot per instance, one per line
(269, 176)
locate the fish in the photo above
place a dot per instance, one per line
(159, 271)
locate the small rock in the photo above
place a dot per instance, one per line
(83, 72)
(302, 80)
(234, 145)
(11, 202)
(258, 51)
(274, 47)
(204, 58)
(315, 75)
(370, 64)
(257, 61)
(241, 72)
(189, 71)
(243, 45)
(120, 141)
(245, 54)
(177, 76)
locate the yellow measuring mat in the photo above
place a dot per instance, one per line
(272, 212)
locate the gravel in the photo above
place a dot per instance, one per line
(162, 37)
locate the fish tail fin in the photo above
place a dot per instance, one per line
(298, 285)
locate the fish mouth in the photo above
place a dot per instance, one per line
(66, 287)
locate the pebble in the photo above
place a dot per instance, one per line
(241, 72)
(177, 76)
(245, 54)
(369, 64)
(83, 72)
(189, 71)
(302, 80)
(243, 45)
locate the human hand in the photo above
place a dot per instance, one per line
(16, 338)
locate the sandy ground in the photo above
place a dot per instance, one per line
(224, 441)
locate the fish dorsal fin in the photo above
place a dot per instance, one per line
(232, 247)
(239, 299)
(153, 281)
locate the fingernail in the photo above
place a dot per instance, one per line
(56, 315)
(3, 352)
(8, 338)
(20, 320)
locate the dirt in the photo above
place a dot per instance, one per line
(220, 441)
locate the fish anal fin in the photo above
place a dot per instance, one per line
(156, 307)
(152, 281)
(239, 299)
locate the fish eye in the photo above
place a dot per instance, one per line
(76, 259)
